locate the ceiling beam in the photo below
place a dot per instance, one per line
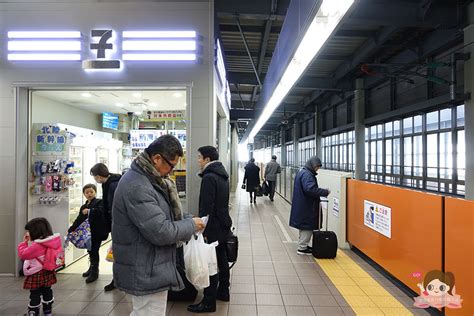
(263, 52)
(355, 33)
(251, 8)
(248, 28)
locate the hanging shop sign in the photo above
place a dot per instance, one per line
(165, 115)
(378, 217)
(180, 135)
(50, 139)
(137, 46)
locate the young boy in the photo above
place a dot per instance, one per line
(92, 209)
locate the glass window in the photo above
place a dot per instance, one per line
(460, 115)
(445, 155)
(396, 128)
(445, 118)
(373, 132)
(388, 156)
(388, 129)
(418, 156)
(408, 125)
(396, 156)
(373, 155)
(418, 123)
(379, 156)
(408, 157)
(432, 156)
(380, 131)
(432, 121)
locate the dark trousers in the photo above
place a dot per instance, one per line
(94, 252)
(35, 299)
(254, 194)
(220, 281)
(272, 187)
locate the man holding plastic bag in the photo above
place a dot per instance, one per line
(148, 223)
(214, 202)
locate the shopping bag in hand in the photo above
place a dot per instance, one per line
(212, 258)
(81, 237)
(110, 255)
(196, 262)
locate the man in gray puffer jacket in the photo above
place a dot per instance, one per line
(147, 225)
(271, 170)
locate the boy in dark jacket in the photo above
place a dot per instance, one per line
(214, 202)
(92, 209)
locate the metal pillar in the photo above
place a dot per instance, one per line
(317, 135)
(296, 146)
(469, 104)
(283, 147)
(359, 127)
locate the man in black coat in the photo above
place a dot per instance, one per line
(109, 182)
(214, 202)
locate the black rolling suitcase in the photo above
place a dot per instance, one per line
(324, 242)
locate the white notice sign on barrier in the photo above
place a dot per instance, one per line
(378, 217)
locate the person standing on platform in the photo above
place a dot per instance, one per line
(252, 179)
(214, 202)
(109, 182)
(305, 214)
(148, 225)
(271, 170)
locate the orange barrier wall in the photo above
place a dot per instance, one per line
(459, 251)
(416, 229)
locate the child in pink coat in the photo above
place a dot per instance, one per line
(39, 250)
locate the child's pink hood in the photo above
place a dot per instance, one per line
(49, 248)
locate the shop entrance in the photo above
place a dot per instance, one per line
(72, 130)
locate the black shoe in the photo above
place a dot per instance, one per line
(271, 199)
(86, 274)
(251, 202)
(255, 201)
(306, 251)
(201, 308)
(93, 274)
(225, 297)
(109, 287)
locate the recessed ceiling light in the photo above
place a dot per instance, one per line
(118, 104)
(86, 94)
(177, 94)
(137, 94)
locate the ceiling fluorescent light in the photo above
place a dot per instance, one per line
(45, 57)
(46, 34)
(327, 18)
(169, 57)
(158, 34)
(158, 45)
(44, 45)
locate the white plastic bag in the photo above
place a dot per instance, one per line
(196, 252)
(212, 258)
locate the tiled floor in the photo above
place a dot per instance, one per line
(269, 278)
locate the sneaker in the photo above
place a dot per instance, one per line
(308, 251)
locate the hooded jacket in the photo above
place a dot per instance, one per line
(46, 249)
(306, 199)
(214, 201)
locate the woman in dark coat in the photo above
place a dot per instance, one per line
(305, 204)
(252, 179)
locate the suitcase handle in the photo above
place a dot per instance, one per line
(321, 213)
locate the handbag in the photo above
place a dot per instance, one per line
(32, 266)
(258, 191)
(265, 188)
(243, 186)
(81, 237)
(232, 247)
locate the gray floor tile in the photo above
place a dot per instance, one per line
(322, 300)
(299, 311)
(121, 309)
(112, 296)
(271, 310)
(328, 311)
(246, 279)
(265, 279)
(242, 271)
(292, 289)
(98, 308)
(14, 307)
(70, 308)
(239, 310)
(267, 289)
(282, 279)
(296, 300)
(242, 288)
(243, 299)
(264, 271)
(84, 295)
(269, 299)
(317, 289)
(348, 311)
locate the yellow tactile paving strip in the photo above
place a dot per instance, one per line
(363, 294)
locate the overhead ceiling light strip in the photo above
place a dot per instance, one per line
(44, 46)
(44, 34)
(44, 57)
(164, 57)
(326, 20)
(158, 45)
(159, 34)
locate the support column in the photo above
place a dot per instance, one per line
(283, 147)
(296, 136)
(317, 134)
(359, 127)
(234, 159)
(469, 104)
